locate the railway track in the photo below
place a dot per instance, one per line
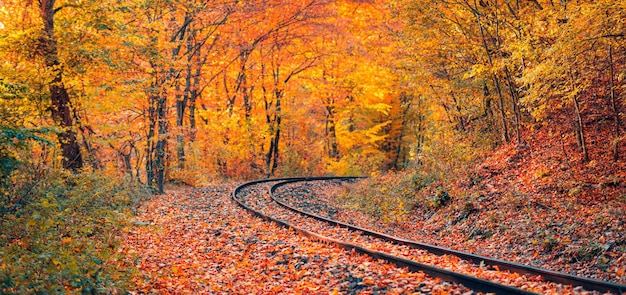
(481, 274)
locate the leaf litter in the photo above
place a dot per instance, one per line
(198, 241)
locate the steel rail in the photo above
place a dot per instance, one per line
(549, 275)
(473, 283)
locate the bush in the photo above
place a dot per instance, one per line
(439, 199)
(388, 197)
(12, 141)
(61, 234)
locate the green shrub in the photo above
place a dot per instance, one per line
(12, 141)
(388, 197)
(62, 235)
(439, 199)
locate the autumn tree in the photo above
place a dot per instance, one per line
(200, 37)
(161, 31)
(571, 67)
(59, 53)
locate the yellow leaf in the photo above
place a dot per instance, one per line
(66, 240)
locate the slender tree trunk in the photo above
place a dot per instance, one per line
(195, 92)
(399, 158)
(138, 159)
(581, 130)
(60, 108)
(231, 98)
(331, 134)
(579, 122)
(181, 105)
(271, 159)
(515, 101)
(245, 92)
(496, 82)
(505, 129)
(487, 112)
(157, 131)
(159, 161)
(614, 105)
(181, 97)
(278, 126)
(420, 136)
(274, 122)
(152, 125)
(180, 150)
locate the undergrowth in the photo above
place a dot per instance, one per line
(60, 232)
(391, 197)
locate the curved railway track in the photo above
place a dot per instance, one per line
(406, 253)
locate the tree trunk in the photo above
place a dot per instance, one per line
(615, 106)
(496, 82)
(274, 122)
(60, 108)
(181, 105)
(515, 101)
(420, 137)
(579, 122)
(505, 129)
(159, 161)
(195, 92)
(150, 142)
(181, 98)
(243, 84)
(278, 126)
(331, 135)
(399, 158)
(181, 102)
(581, 130)
(156, 137)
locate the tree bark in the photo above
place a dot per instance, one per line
(159, 161)
(579, 122)
(405, 106)
(515, 101)
(243, 85)
(614, 105)
(156, 137)
(331, 135)
(195, 93)
(496, 81)
(60, 108)
(581, 130)
(274, 122)
(150, 143)
(181, 98)
(181, 105)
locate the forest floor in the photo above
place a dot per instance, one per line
(194, 241)
(198, 241)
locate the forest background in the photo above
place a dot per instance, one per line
(97, 96)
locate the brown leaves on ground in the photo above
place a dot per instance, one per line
(199, 241)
